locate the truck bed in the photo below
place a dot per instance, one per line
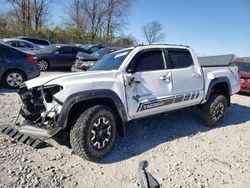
(216, 61)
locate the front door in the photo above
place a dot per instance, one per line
(148, 84)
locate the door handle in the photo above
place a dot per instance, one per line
(165, 78)
(196, 75)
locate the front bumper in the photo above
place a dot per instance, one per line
(245, 87)
(38, 132)
(75, 69)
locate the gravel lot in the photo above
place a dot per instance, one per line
(181, 153)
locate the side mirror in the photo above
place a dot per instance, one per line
(57, 53)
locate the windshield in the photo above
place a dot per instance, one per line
(112, 61)
(102, 52)
(86, 46)
(244, 67)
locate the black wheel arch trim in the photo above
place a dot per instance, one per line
(88, 95)
(217, 81)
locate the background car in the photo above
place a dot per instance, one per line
(21, 44)
(92, 47)
(58, 56)
(16, 66)
(244, 71)
(85, 61)
(40, 42)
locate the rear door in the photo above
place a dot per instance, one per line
(65, 57)
(186, 77)
(4, 53)
(149, 86)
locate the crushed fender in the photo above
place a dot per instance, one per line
(15, 134)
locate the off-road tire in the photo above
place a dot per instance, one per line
(81, 133)
(212, 112)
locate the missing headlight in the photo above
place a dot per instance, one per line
(49, 91)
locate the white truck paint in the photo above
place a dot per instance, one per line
(125, 85)
(142, 93)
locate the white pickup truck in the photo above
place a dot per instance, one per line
(128, 84)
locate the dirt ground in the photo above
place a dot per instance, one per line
(181, 152)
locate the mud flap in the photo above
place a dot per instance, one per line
(15, 134)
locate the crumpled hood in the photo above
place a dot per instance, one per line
(85, 56)
(67, 77)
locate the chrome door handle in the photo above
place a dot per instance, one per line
(165, 78)
(196, 75)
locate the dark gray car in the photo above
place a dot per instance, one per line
(58, 56)
(16, 66)
(85, 61)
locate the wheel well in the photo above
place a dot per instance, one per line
(9, 70)
(79, 107)
(222, 89)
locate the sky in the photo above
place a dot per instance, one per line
(210, 27)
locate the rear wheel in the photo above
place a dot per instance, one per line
(213, 110)
(13, 78)
(43, 65)
(94, 133)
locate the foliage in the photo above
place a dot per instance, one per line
(152, 32)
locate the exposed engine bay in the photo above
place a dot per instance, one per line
(40, 108)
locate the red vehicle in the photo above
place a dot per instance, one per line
(244, 70)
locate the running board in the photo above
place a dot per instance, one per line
(16, 135)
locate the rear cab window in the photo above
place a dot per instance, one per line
(179, 58)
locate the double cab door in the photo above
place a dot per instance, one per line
(159, 80)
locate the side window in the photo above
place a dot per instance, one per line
(180, 58)
(76, 50)
(24, 45)
(149, 61)
(66, 50)
(14, 44)
(9, 43)
(94, 49)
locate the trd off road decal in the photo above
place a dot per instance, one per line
(168, 101)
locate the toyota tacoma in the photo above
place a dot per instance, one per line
(132, 83)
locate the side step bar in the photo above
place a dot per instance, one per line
(15, 134)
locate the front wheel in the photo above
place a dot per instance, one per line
(213, 110)
(94, 133)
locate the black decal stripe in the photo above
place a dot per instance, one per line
(187, 96)
(178, 98)
(193, 95)
(167, 101)
(197, 94)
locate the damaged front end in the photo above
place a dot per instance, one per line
(40, 110)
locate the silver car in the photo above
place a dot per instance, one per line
(21, 44)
